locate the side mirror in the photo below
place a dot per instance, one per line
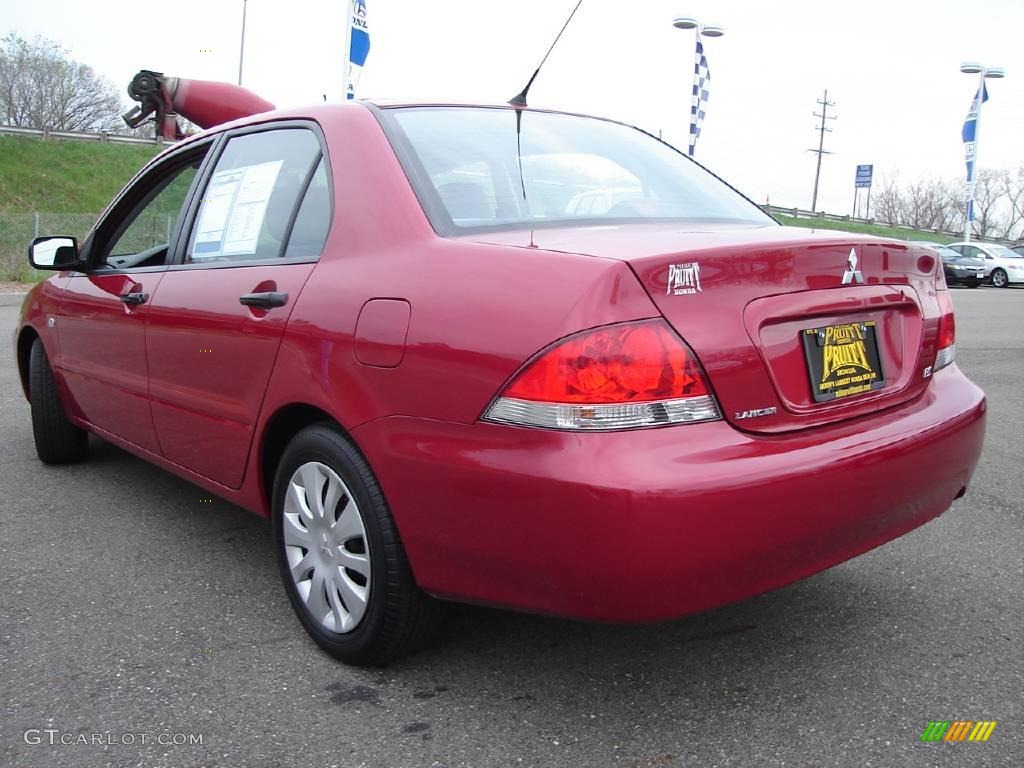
(53, 253)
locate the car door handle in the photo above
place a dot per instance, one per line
(135, 297)
(267, 300)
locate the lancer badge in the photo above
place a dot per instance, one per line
(852, 275)
(756, 413)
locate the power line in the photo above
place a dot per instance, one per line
(822, 130)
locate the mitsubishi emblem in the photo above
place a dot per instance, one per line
(852, 275)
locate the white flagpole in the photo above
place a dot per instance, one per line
(974, 153)
(346, 49)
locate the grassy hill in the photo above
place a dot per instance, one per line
(867, 229)
(66, 182)
(64, 176)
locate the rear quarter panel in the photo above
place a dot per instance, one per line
(478, 311)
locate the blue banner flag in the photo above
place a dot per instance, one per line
(969, 136)
(359, 46)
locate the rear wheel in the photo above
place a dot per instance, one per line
(999, 279)
(57, 440)
(342, 562)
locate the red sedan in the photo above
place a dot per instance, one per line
(512, 357)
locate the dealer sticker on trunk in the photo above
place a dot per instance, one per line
(843, 360)
(683, 279)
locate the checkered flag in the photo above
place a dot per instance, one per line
(698, 104)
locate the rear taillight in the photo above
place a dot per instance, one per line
(616, 377)
(947, 332)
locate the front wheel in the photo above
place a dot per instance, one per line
(342, 562)
(999, 279)
(57, 440)
(973, 284)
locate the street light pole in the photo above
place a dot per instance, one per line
(972, 68)
(701, 31)
(241, 47)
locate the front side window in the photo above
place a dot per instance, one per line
(480, 168)
(247, 209)
(142, 237)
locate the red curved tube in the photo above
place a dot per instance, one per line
(208, 103)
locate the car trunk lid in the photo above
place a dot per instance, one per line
(794, 328)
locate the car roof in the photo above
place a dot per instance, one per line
(317, 110)
(456, 104)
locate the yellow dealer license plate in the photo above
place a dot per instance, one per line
(843, 360)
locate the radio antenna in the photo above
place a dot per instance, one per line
(520, 99)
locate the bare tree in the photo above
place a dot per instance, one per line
(42, 87)
(989, 192)
(954, 207)
(1014, 188)
(888, 201)
(924, 204)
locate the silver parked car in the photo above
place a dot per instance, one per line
(1002, 266)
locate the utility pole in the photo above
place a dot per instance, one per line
(822, 130)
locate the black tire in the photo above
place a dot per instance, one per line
(999, 279)
(399, 617)
(58, 441)
(973, 284)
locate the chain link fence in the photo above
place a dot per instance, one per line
(18, 229)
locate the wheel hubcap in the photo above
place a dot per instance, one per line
(999, 279)
(326, 547)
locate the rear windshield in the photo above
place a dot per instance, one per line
(488, 169)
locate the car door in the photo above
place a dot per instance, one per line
(101, 319)
(214, 328)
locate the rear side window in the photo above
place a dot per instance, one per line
(314, 218)
(249, 204)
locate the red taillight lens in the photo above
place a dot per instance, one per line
(947, 331)
(946, 346)
(630, 363)
(616, 377)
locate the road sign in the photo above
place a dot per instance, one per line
(864, 173)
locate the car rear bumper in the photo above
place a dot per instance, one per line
(965, 277)
(653, 524)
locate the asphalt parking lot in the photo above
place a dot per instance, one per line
(133, 605)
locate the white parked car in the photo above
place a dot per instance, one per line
(1002, 266)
